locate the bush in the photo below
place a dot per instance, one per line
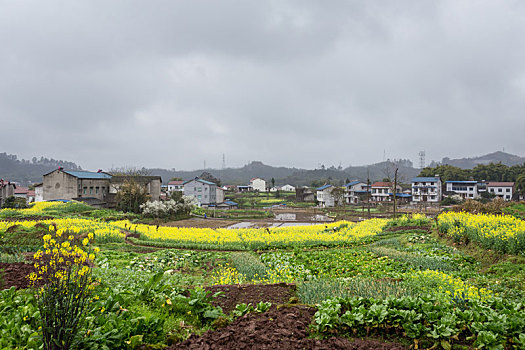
(170, 208)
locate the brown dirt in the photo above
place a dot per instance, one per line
(406, 228)
(252, 293)
(283, 328)
(14, 275)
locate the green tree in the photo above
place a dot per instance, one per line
(131, 195)
(520, 184)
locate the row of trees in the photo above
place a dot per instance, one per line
(488, 172)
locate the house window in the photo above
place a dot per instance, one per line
(200, 189)
(85, 190)
(199, 197)
(96, 190)
(500, 190)
(507, 190)
(91, 190)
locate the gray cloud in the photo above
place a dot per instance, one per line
(170, 84)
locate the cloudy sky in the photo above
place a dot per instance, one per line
(175, 83)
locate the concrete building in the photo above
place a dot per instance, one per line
(465, 189)
(39, 192)
(355, 192)
(7, 189)
(426, 190)
(258, 184)
(382, 191)
(78, 185)
(219, 197)
(150, 183)
(324, 196)
(204, 191)
(503, 190)
(287, 188)
(175, 186)
(304, 194)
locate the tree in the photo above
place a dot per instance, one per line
(209, 177)
(273, 182)
(131, 196)
(391, 171)
(130, 171)
(338, 193)
(15, 202)
(520, 184)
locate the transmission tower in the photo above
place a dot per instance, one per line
(421, 159)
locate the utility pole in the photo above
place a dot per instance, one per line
(395, 191)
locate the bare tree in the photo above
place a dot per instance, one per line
(338, 193)
(391, 172)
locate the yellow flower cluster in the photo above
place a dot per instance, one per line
(333, 233)
(75, 226)
(502, 232)
(60, 259)
(452, 286)
(38, 207)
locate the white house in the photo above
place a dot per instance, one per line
(219, 197)
(503, 190)
(258, 184)
(426, 189)
(354, 191)
(324, 196)
(287, 188)
(465, 189)
(382, 191)
(175, 186)
(204, 191)
(39, 192)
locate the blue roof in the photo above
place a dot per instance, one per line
(201, 181)
(352, 183)
(402, 195)
(425, 179)
(230, 203)
(323, 187)
(462, 182)
(88, 174)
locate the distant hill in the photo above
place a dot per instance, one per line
(496, 157)
(27, 172)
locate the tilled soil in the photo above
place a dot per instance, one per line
(283, 328)
(15, 275)
(252, 293)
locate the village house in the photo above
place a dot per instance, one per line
(304, 194)
(382, 191)
(7, 189)
(503, 190)
(219, 197)
(287, 188)
(355, 192)
(426, 190)
(95, 188)
(258, 184)
(78, 185)
(25, 193)
(324, 196)
(39, 192)
(204, 191)
(175, 186)
(465, 189)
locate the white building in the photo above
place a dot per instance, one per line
(354, 191)
(503, 190)
(219, 197)
(465, 189)
(382, 191)
(39, 192)
(175, 186)
(426, 189)
(287, 188)
(204, 191)
(324, 196)
(258, 184)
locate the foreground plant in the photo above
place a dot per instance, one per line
(64, 275)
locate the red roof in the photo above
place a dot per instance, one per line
(500, 184)
(176, 182)
(382, 184)
(21, 190)
(30, 193)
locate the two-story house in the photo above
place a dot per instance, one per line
(426, 189)
(204, 191)
(64, 184)
(355, 192)
(258, 184)
(465, 189)
(324, 196)
(503, 190)
(175, 186)
(382, 191)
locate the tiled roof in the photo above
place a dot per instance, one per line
(200, 180)
(425, 179)
(352, 183)
(21, 190)
(323, 187)
(88, 174)
(176, 182)
(462, 182)
(500, 184)
(381, 184)
(230, 203)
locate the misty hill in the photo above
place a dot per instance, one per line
(27, 172)
(496, 157)
(294, 176)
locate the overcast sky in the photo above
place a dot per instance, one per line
(172, 84)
